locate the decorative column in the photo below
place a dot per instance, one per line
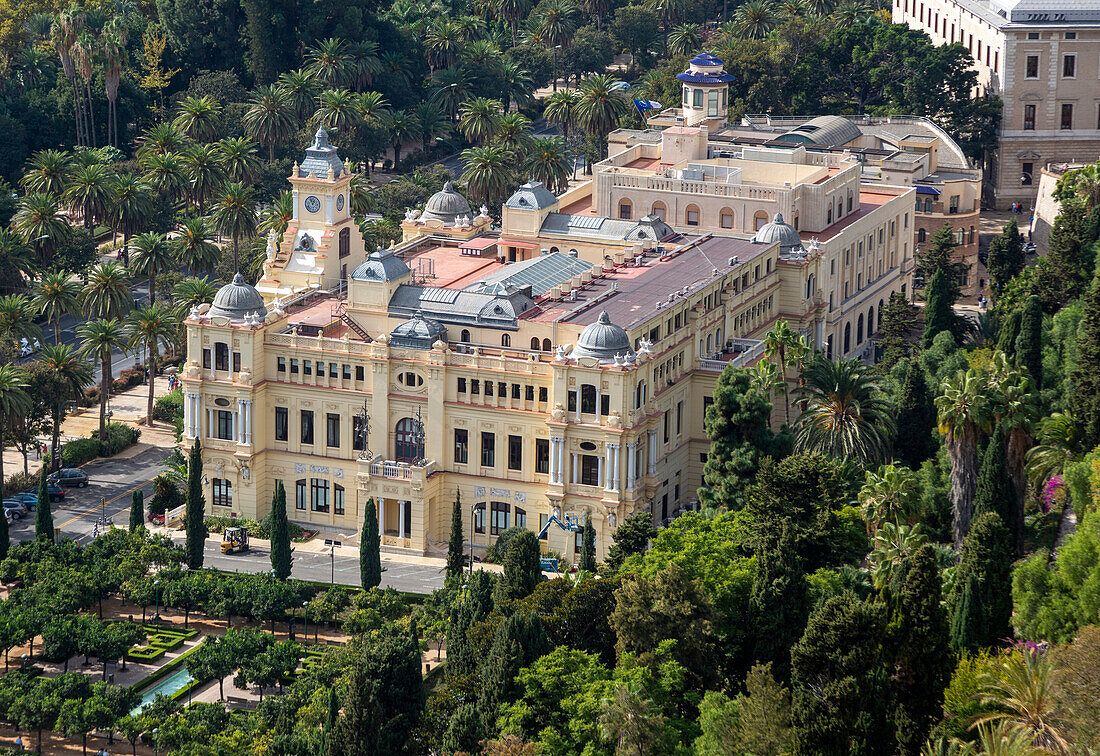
(601, 468)
(631, 464)
(556, 460)
(561, 460)
(381, 517)
(597, 401)
(400, 519)
(248, 421)
(240, 421)
(573, 475)
(651, 468)
(613, 467)
(210, 427)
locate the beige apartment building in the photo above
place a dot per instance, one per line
(1042, 57)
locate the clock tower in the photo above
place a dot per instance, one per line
(322, 241)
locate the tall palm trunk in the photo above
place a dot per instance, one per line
(150, 374)
(963, 452)
(91, 115)
(2, 478)
(153, 288)
(104, 393)
(56, 438)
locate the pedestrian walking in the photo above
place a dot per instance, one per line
(19, 742)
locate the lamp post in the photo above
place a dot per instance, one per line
(156, 741)
(305, 623)
(156, 595)
(473, 517)
(24, 662)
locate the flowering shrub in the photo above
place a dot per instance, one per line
(1054, 493)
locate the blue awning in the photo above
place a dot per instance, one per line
(925, 189)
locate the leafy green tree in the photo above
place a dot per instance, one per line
(981, 603)
(193, 518)
(842, 703)
(996, 492)
(778, 601)
(1029, 344)
(518, 641)
(1085, 377)
(281, 557)
(5, 537)
(370, 558)
(916, 415)
(764, 714)
(455, 556)
(632, 720)
(137, 511)
(43, 517)
(522, 568)
(588, 546)
(938, 313)
(737, 425)
(631, 537)
(214, 659)
(922, 661)
(38, 708)
(1006, 258)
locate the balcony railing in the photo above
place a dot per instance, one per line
(744, 351)
(388, 468)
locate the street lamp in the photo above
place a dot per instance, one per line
(473, 517)
(24, 662)
(156, 595)
(305, 623)
(156, 741)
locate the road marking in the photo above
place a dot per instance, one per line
(102, 504)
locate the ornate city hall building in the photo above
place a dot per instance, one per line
(559, 364)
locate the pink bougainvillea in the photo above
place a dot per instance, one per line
(1054, 493)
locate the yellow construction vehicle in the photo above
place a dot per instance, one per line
(234, 540)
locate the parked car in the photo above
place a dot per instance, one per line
(16, 508)
(28, 498)
(27, 348)
(55, 492)
(69, 476)
(8, 516)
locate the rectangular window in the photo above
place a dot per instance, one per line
(307, 426)
(1071, 35)
(346, 369)
(462, 385)
(224, 430)
(590, 470)
(337, 499)
(1029, 117)
(1025, 173)
(572, 400)
(307, 367)
(1033, 35)
(293, 366)
(223, 492)
(707, 401)
(515, 391)
(221, 356)
(521, 518)
(479, 518)
(679, 417)
(666, 426)
(1067, 116)
(542, 455)
(462, 446)
(515, 452)
(488, 449)
(206, 359)
(624, 210)
(605, 404)
(318, 494)
(282, 424)
(300, 494)
(359, 373)
(332, 429)
(280, 364)
(499, 522)
(358, 435)
(333, 370)
(542, 527)
(529, 393)
(475, 387)
(693, 217)
(488, 388)
(953, 205)
(320, 369)
(1031, 70)
(1069, 66)
(236, 362)
(502, 389)
(544, 394)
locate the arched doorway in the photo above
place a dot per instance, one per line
(408, 442)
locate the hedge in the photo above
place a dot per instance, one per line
(165, 642)
(164, 670)
(169, 407)
(144, 654)
(119, 436)
(76, 453)
(20, 482)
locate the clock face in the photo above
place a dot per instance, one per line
(312, 204)
(339, 202)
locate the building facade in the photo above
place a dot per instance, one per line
(1042, 58)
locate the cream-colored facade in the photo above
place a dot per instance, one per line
(1042, 58)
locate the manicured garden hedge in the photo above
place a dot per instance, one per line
(80, 451)
(144, 654)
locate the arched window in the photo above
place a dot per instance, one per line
(921, 235)
(859, 330)
(960, 236)
(553, 250)
(927, 204)
(588, 398)
(408, 443)
(759, 219)
(725, 218)
(970, 236)
(626, 209)
(879, 324)
(658, 210)
(505, 340)
(546, 346)
(849, 201)
(810, 286)
(535, 343)
(839, 207)
(870, 322)
(709, 343)
(691, 215)
(847, 337)
(465, 336)
(345, 242)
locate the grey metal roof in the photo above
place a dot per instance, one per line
(418, 332)
(500, 309)
(540, 273)
(321, 160)
(446, 205)
(824, 130)
(603, 340)
(237, 301)
(648, 229)
(381, 265)
(778, 231)
(532, 196)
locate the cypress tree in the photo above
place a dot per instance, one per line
(778, 601)
(1009, 332)
(519, 640)
(195, 511)
(281, 558)
(455, 556)
(333, 716)
(370, 546)
(522, 569)
(43, 516)
(899, 321)
(919, 638)
(938, 315)
(137, 511)
(915, 441)
(1086, 378)
(1029, 344)
(981, 604)
(936, 258)
(996, 492)
(1006, 258)
(5, 537)
(588, 546)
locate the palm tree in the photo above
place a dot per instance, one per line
(16, 262)
(192, 292)
(777, 342)
(74, 372)
(65, 31)
(14, 402)
(963, 408)
(41, 224)
(846, 414)
(56, 296)
(754, 19)
(685, 39)
(198, 118)
(401, 127)
(451, 87)
(850, 12)
(107, 293)
(195, 247)
(1001, 739)
(17, 320)
(371, 105)
(152, 256)
(205, 173)
(363, 63)
(301, 91)
(327, 62)
(84, 55)
(512, 11)
(235, 216)
(514, 133)
(430, 123)
(444, 43)
(338, 109)
(561, 110)
(269, 119)
(48, 172)
(166, 174)
(548, 162)
(131, 209)
(152, 328)
(892, 543)
(600, 105)
(1015, 406)
(488, 171)
(90, 192)
(889, 495)
(479, 119)
(277, 215)
(1060, 441)
(1020, 693)
(518, 86)
(162, 139)
(239, 158)
(114, 59)
(100, 339)
(554, 24)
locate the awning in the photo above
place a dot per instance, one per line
(925, 189)
(518, 244)
(480, 243)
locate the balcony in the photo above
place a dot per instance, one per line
(387, 468)
(740, 353)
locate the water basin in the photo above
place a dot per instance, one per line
(167, 686)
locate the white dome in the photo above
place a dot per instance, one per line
(237, 301)
(446, 206)
(778, 231)
(603, 340)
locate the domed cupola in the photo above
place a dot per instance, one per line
(381, 265)
(418, 332)
(603, 340)
(239, 302)
(781, 232)
(446, 206)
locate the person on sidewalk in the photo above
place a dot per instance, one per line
(19, 742)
